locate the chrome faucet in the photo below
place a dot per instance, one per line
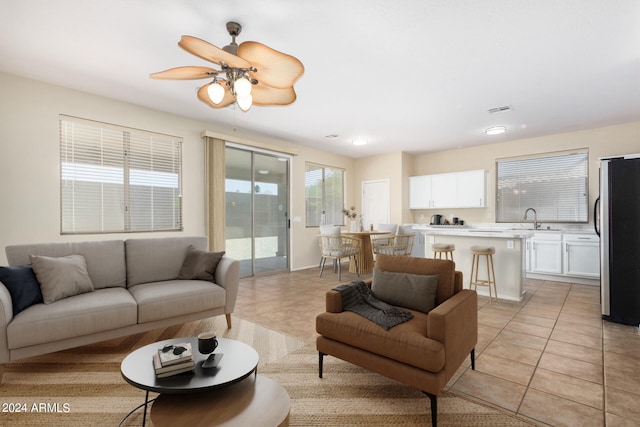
(535, 218)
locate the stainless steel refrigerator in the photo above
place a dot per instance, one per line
(619, 229)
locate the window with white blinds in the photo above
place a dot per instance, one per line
(324, 195)
(556, 185)
(118, 179)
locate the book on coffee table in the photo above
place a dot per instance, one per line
(174, 372)
(159, 369)
(175, 354)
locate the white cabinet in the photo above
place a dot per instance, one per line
(581, 255)
(448, 190)
(443, 190)
(571, 255)
(420, 192)
(546, 253)
(471, 189)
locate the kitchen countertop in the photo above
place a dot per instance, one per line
(489, 231)
(476, 232)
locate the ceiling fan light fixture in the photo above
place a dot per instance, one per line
(242, 87)
(495, 130)
(244, 102)
(244, 66)
(216, 92)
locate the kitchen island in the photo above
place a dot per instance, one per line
(509, 259)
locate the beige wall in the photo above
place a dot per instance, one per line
(30, 176)
(601, 142)
(29, 165)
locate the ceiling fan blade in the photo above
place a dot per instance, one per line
(185, 73)
(203, 96)
(266, 95)
(206, 50)
(275, 69)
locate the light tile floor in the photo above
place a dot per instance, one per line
(550, 358)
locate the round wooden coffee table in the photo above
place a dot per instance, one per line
(239, 361)
(254, 401)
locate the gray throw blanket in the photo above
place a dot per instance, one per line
(358, 298)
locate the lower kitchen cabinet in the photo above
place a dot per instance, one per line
(581, 256)
(571, 255)
(546, 254)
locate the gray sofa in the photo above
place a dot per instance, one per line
(136, 289)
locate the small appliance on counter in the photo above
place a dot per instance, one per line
(436, 220)
(441, 220)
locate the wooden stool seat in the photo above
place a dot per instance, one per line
(443, 248)
(487, 252)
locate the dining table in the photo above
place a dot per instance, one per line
(365, 256)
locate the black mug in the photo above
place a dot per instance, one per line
(207, 342)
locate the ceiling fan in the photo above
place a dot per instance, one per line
(250, 73)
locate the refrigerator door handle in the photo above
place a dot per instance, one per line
(596, 216)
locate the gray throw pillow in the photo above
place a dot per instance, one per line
(414, 291)
(61, 277)
(199, 265)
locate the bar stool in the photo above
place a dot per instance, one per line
(443, 248)
(487, 252)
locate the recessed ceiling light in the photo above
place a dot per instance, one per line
(359, 141)
(263, 172)
(495, 130)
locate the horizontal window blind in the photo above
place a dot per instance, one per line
(554, 184)
(324, 195)
(117, 179)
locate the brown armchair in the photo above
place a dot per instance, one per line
(423, 352)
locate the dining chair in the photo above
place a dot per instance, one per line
(336, 247)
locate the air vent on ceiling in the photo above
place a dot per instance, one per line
(500, 109)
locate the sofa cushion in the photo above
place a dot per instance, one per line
(105, 258)
(199, 265)
(84, 314)
(443, 268)
(157, 260)
(61, 277)
(22, 285)
(172, 298)
(406, 343)
(415, 291)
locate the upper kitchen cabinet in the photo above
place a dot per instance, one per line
(471, 189)
(420, 192)
(443, 190)
(448, 190)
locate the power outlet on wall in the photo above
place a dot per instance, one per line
(509, 244)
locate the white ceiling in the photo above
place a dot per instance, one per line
(412, 75)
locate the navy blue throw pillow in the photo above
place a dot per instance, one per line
(22, 285)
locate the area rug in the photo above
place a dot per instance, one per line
(83, 386)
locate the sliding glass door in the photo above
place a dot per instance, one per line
(257, 209)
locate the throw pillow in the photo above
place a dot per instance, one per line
(22, 285)
(200, 265)
(61, 277)
(415, 291)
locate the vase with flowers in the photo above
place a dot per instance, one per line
(352, 215)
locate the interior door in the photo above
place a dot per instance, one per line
(257, 210)
(376, 207)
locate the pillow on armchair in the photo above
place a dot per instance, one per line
(414, 291)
